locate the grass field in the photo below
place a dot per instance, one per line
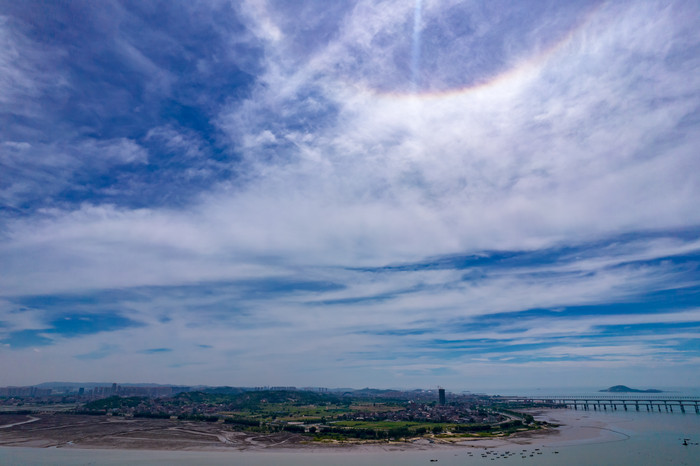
(288, 412)
(388, 424)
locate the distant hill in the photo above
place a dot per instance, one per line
(88, 385)
(626, 389)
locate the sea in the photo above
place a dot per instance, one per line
(589, 438)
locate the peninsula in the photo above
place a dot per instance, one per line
(240, 417)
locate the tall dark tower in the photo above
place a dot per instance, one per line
(441, 396)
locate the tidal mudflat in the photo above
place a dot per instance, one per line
(582, 438)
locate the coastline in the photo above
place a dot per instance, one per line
(115, 434)
(583, 438)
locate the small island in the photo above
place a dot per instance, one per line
(626, 389)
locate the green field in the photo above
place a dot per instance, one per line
(325, 417)
(327, 412)
(286, 412)
(388, 424)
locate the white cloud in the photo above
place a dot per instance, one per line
(23, 67)
(571, 143)
(258, 13)
(570, 147)
(114, 151)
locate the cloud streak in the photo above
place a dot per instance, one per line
(390, 194)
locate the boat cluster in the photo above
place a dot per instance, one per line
(495, 454)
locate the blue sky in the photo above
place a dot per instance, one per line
(388, 194)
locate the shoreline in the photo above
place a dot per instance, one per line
(108, 434)
(581, 439)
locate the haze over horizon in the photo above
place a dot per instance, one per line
(350, 194)
(506, 391)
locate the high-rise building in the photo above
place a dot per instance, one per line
(441, 396)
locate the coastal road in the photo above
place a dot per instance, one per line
(31, 419)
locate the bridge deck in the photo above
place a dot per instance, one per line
(602, 402)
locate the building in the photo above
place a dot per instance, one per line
(25, 391)
(441, 396)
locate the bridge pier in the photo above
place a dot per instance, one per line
(602, 403)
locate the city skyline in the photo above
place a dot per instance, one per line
(384, 194)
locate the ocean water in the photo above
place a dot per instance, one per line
(590, 438)
(590, 391)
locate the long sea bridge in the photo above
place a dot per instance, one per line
(613, 402)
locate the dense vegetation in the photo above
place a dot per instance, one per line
(115, 402)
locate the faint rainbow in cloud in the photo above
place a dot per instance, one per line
(522, 68)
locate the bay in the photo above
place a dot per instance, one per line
(585, 438)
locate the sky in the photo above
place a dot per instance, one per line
(393, 194)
